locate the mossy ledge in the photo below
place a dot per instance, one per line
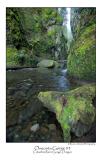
(81, 61)
(77, 114)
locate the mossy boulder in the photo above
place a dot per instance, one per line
(46, 63)
(74, 109)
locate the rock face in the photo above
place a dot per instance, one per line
(46, 64)
(82, 52)
(77, 114)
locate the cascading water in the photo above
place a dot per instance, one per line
(69, 32)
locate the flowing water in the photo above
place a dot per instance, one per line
(24, 110)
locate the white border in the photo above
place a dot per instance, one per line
(24, 151)
(49, 3)
(3, 75)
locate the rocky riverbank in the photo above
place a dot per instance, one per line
(30, 120)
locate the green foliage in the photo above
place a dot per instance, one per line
(12, 56)
(20, 58)
(15, 32)
(36, 29)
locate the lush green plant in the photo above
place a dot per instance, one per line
(37, 29)
(11, 56)
(20, 57)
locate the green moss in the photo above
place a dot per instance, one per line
(78, 107)
(87, 117)
(87, 43)
(82, 55)
(54, 106)
(77, 110)
(88, 30)
(58, 108)
(86, 40)
(12, 56)
(86, 91)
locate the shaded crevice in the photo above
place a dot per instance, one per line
(90, 136)
(94, 101)
(49, 129)
(51, 119)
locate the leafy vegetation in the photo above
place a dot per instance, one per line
(38, 37)
(12, 56)
(38, 31)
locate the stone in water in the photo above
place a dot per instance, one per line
(35, 127)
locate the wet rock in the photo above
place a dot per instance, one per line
(35, 127)
(24, 109)
(28, 80)
(44, 130)
(79, 129)
(77, 115)
(46, 63)
(11, 90)
(52, 127)
(33, 107)
(16, 137)
(19, 95)
(88, 137)
(13, 133)
(25, 86)
(12, 118)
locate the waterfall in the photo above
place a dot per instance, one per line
(69, 32)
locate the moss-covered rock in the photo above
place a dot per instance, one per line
(82, 53)
(46, 63)
(74, 109)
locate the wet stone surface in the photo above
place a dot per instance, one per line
(24, 110)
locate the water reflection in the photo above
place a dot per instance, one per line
(42, 80)
(63, 83)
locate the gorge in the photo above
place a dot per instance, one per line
(51, 75)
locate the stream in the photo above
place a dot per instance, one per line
(58, 38)
(24, 110)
